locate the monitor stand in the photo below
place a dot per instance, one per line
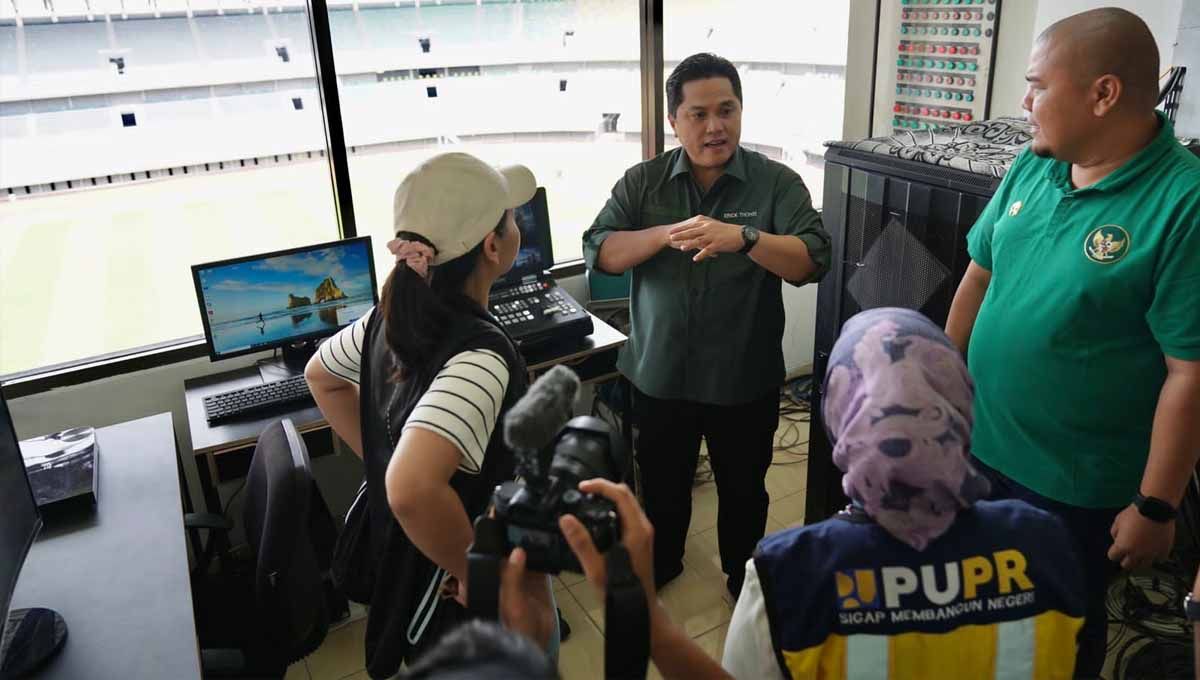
(31, 638)
(291, 364)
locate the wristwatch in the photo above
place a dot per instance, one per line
(1191, 608)
(1154, 509)
(750, 236)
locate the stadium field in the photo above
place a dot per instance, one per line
(94, 271)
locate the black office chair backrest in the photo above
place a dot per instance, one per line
(1172, 91)
(290, 529)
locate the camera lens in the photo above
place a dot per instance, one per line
(585, 451)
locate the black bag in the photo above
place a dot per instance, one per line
(353, 568)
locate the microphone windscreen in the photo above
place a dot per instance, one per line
(537, 417)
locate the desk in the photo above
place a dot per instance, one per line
(210, 441)
(592, 357)
(119, 577)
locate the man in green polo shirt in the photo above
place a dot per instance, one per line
(709, 231)
(1082, 306)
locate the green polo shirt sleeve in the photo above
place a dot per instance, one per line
(979, 239)
(620, 212)
(1173, 316)
(796, 216)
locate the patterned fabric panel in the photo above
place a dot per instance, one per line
(984, 148)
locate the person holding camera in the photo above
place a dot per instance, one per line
(416, 388)
(674, 653)
(918, 577)
(709, 231)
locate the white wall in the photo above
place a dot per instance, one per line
(1021, 21)
(1162, 16)
(1013, 44)
(1187, 53)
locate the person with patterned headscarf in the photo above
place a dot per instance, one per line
(918, 577)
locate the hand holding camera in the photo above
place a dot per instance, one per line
(637, 536)
(529, 518)
(553, 456)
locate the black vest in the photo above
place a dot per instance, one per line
(406, 615)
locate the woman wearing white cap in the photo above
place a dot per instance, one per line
(417, 387)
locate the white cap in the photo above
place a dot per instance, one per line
(455, 199)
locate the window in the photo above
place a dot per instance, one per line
(791, 58)
(133, 149)
(512, 104)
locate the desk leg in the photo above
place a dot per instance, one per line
(206, 470)
(185, 491)
(626, 388)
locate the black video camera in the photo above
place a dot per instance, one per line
(553, 456)
(586, 448)
(554, 453)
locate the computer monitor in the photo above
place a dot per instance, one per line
(537, 251)
(19, 525)
(286, 299)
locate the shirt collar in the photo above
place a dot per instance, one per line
(1059, 172)
(736, 167)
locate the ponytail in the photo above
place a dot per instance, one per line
(418, 314)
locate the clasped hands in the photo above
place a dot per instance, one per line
(706, 235)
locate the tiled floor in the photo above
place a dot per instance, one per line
(697, 600)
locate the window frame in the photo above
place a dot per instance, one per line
(77, 372)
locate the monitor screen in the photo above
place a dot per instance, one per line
(19, 519)
(272, 300)
(537, 253)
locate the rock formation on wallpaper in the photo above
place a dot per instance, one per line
(328, 290)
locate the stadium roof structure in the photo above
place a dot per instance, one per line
(40, 11)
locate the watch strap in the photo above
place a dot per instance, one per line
(1154, 509)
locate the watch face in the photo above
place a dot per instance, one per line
(1191, 608)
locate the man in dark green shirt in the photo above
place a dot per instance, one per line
(1080, 307)
(709, 230)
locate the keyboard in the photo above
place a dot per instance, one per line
(256, 400)
(538, 312)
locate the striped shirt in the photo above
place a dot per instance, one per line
(462, 403)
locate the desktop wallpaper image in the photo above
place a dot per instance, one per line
(265, 301)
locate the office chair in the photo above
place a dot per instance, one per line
(1172, 91)
(256, 617)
